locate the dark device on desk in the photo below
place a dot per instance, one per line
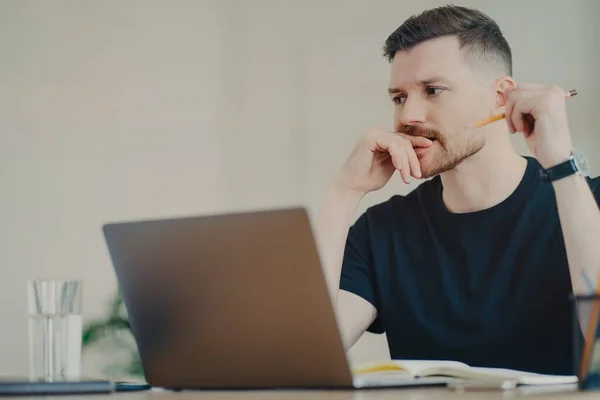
(232, 301)
(13, 386)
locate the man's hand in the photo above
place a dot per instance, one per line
(539, 112)
(375, 158)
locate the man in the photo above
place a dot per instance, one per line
(477, 264)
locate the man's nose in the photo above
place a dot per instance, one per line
(413, 112)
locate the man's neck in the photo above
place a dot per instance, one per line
(483, 180)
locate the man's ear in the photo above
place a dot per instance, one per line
(504, 86)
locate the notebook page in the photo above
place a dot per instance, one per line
(411, 367)
(524, 378)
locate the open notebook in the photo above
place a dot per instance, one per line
(396, 369)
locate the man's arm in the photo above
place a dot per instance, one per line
(580, 221)
(370, 166)
(354, 313)
(549, 138)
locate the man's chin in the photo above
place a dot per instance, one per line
(435, 161)
(431, 165)
(432, 168)
(429, 173)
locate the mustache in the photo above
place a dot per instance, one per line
(415, 131)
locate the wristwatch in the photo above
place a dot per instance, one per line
(575, 164)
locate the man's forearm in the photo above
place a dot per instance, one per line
(580, 220)
(332, 231)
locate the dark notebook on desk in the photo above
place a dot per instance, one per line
(15, 386)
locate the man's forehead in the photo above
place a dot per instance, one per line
(436, 58)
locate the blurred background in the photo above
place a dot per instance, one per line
(113, 110)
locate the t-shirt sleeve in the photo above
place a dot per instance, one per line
(357, 269)
(595, 186)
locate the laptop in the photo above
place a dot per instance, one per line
(232, 301)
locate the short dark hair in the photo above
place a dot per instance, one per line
(477, 33)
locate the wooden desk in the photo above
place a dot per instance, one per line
(369, 394)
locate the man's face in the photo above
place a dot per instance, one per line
(437, 94)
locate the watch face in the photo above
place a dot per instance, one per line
(581, 162)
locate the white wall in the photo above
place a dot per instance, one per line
(107, 111)
(112, 110)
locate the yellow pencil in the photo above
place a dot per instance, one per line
(498, 117)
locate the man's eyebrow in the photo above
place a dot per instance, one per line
(424, 82)
(394, 90)
(435, 79)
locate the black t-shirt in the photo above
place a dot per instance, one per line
(488, 288)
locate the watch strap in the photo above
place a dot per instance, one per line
(559, 171)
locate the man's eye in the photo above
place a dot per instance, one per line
(434, 91)
(399, 99)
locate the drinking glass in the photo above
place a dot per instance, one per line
(55, 329)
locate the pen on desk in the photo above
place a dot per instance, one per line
(498, 117)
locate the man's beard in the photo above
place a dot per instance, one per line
(447, 154)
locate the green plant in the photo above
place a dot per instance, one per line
(113, 334)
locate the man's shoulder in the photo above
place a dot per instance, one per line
(594, 183)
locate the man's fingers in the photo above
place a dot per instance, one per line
(396, 154)
(405, 171)
(516, 118)
(509, 112)
(401, 151)
(400, 160)
(420, 141)
(415, 165)
(520, 115)
(383, 140)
